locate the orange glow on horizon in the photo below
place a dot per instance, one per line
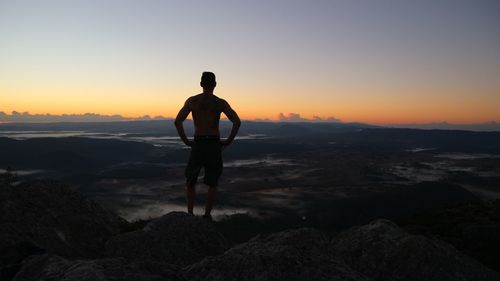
(385, 106)
(378, 120)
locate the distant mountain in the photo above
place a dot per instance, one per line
(488, 126)
(286, 128)
(73, 152)
(445, 140)
(166, 127)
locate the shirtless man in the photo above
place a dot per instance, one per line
(207, 145)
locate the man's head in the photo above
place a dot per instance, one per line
(208, 80)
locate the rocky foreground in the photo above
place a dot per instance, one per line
(49, 232)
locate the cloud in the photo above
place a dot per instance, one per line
(26, 117)
(291, 117)
(295, 117)
(86, 117)
(328, 119)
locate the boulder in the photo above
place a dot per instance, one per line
(473, 229)
(13, 253)
(50, 268)
(51, 216)
(383, 251)
(177, 238)
(300, 254)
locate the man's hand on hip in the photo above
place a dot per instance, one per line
(225, 143)
(189, 143)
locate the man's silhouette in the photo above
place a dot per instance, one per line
(207, 145)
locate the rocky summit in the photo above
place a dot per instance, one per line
(383, 251)
(176, 238)
(50, 268)
(50, 232)
(47, 216)
(51, 216)
(300, 254)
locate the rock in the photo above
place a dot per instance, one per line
(300, 254)
(383, 251)
(54, 268)
(473, 229)
(176, 238)
(13, 253)
(51, 216)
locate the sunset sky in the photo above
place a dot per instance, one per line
(378, 62)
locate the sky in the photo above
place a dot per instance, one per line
(379, 62)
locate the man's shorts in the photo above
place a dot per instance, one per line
(206, 153)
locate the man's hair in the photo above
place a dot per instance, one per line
(208, 79)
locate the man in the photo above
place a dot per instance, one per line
(207, 145)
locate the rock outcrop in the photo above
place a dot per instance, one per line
(53, 217)
(383, 251)
(300, 254)
(176, 238)
(50, 233)
(13, 253)
(53, 268)
(473, 229)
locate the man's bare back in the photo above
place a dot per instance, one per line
(206, 109)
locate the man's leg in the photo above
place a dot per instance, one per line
(213, 170)
(190, 194)
(212, 190)
(192, 170)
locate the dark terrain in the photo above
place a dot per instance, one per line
(50, 232)
(330, 177)
(334, 172)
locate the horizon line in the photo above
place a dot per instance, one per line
(89, 117)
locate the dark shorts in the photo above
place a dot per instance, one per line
(206, 153)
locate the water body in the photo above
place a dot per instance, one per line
(267, 161)
(157, 209)
(467, 156)
(24, 172)
(420, 149)
(158, 141)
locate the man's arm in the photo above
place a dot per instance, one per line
(181, 116)
(233, 117)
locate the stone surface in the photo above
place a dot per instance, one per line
(51, 216)
(473, 229)
(49, 232)
(176, 238)
(54, 268)
(383, 251)
(13, 253)
(300, 254)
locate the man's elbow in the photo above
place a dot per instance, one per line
(177, 122)
(237, 122)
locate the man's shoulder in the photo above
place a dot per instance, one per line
(212, 96)
(220, 100)
(214, 100)
(195, 97)
(192, 99)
